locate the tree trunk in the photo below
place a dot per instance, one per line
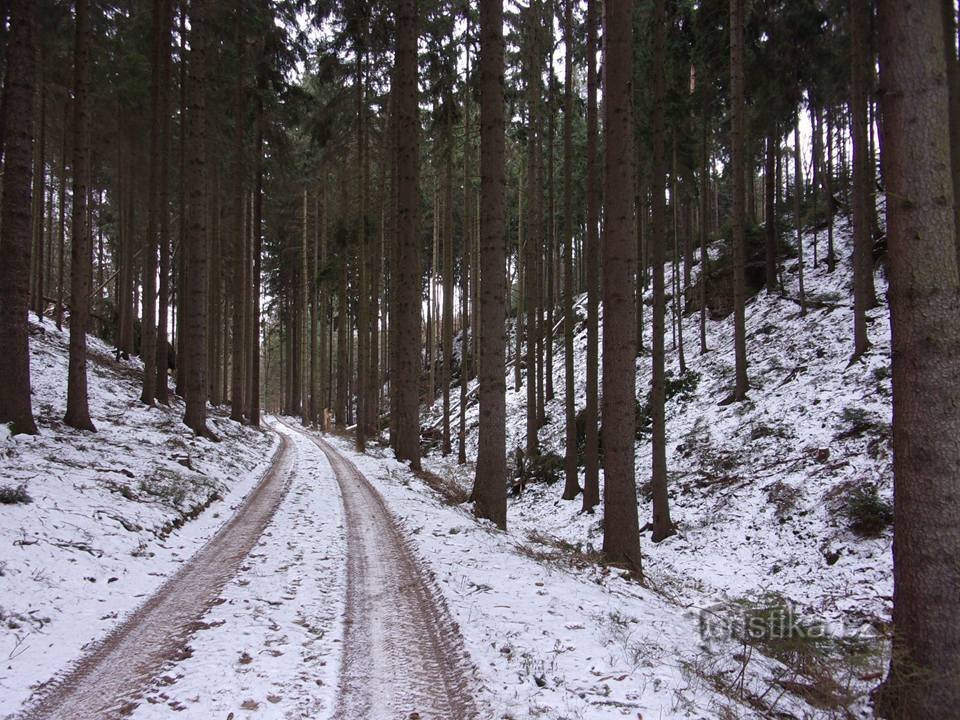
(195, 322)
(591, 455)
(81, 268)
(621, 537)
(408, 244)
(15, 403)
(862, 225)
(240, 269)
(571, 486)
(797, 202)
(953, 81)
(704, 213)
(161, 390)
(924, 680)
(447, 330)
(465, 325)
(489, 489)
(737, 140)
(532, 237)
(149, 327)
(770, 210)
(363, 290)
(662, 524)
(256, 241)
(39, 189)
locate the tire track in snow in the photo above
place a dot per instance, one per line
(109, 681)
(403, 655)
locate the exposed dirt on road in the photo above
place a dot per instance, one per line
(109, 681)
(403, 655)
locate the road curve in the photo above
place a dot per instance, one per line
(107, 682)
(403, 656)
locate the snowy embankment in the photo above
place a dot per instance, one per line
(760, 490)
(549, 638)
(111, 515)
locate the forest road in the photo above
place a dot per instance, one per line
(403, 656)
(108, 682)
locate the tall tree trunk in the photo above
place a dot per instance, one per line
(797, 203)
(531, 240)
(953, 81)
(256, 240)
(591, 454)
(240, 269)
(62, 218)
(828, 187)
(661, 524)
(447, 330)
(770, 209)
(924, 679)
(704, 221)
(408, 244)
(621, 535)
(363, 290)
(161, 389)
(737, 140)
(195, 322)
(551, 229)
(862, 225)
(39, 189)
(571, 486)
(490, 489)
(465, 287)
(18, 89)
(521, 287)
(343, 328)
(148, 330)
(81, 268)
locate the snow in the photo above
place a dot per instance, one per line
(758, 488)
(271, 646)
(100, 534)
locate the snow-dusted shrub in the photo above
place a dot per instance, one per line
(867, 513)
(14, 495)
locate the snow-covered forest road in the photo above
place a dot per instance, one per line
(401, 654)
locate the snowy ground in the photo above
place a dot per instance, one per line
(757, 492)
(271, 647)
(103, 530)
(553, 640)
(757, 489)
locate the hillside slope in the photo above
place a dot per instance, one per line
(110, 514)
(763, 492)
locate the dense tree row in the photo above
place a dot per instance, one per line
(350, 207)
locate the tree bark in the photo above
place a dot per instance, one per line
(924, 680)
(738, 114)
(195, 322)
(408, 244)
(240, 269)
(256, 241)
(571, 475)
(18, 89)
(591, 455)
(489, 488)
(531, 239)
(770, 210)
(862, 224)
(81, 268)
(797, 202)
(662, 524)
(621, 537)
(149, 327)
